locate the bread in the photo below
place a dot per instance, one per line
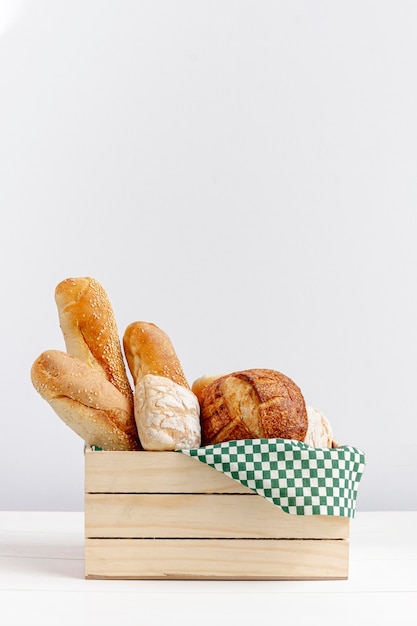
(85, 400)
(149, 350)
(90, 332)
(252, 404)
(319, 432)
(167, 412)
(201, 383)
(88, 386)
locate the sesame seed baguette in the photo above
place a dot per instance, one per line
(90, 332)
(85, 400)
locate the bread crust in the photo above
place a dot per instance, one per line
(167, 412)
(319, 433)
(149, 350)
(201, 383)
(85, 400)
(252, 404)
(90, 332)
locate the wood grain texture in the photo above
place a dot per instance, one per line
(165, 515)
(216, 559)
(202, 515)
(153, 472)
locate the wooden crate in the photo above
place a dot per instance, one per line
(164, 515)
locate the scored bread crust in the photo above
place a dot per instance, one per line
(252, 404)
(85, 400)
(90, 332)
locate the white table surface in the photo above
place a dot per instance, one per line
(42, 582)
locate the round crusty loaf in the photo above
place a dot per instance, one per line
(252, 404)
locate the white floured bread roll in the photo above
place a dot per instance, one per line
(167, 412)
(85, 400)
(319, 432)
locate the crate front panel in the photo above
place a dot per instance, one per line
(217, 559)
(203, 516)
(153, 472)
(166, 515)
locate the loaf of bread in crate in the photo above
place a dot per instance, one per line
(258, 404)
(319, 432)
(85, 400)
(90, 332)
(167, 412)
(88, 386)
(251, 404)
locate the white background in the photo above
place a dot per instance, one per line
(241, 173)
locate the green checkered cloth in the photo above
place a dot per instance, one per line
(301, 480)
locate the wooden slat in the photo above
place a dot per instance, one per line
(216, 559)
(207, 515)
(149, 472)
(206, 524)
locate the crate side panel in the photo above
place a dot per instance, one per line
(217, 559)
(153, 472)
(202, 515)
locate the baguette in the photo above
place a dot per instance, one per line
(90, 332)
(167, 412)
(149, 350)
(85, 400)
